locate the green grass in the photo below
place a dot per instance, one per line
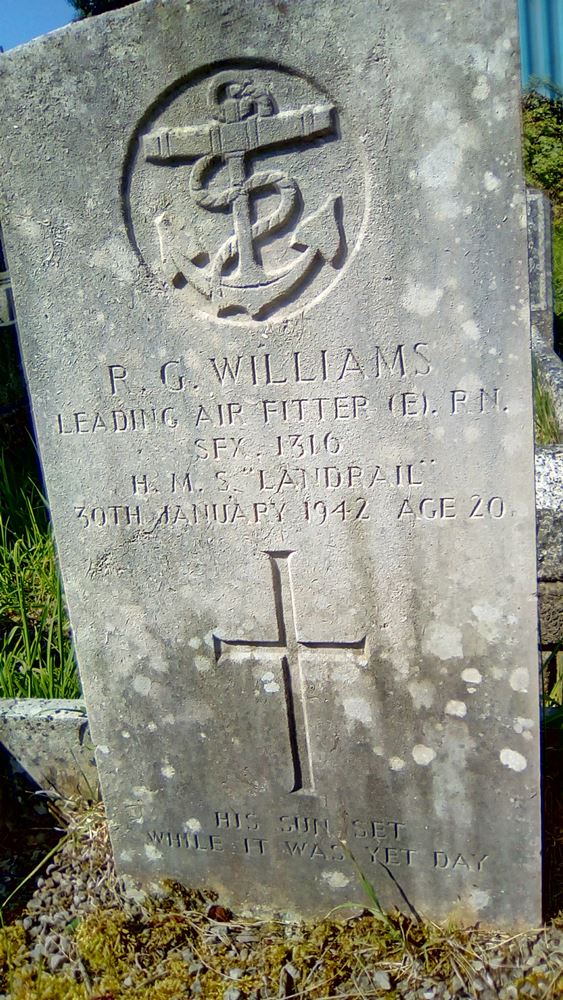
(546, 427)
(552, 679)
(36, 656)
(557, 260)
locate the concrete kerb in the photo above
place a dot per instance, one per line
(48, 742)
(549, 503)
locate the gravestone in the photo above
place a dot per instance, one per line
(271, 279)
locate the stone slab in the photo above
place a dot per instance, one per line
(271, 280)
(540, 262)
(551, 613)
(549, 503)
(49, 740)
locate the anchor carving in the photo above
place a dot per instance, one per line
(244, 121)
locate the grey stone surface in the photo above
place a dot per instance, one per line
(539, 262)
(551, 613)
(271, 278)
(549, 504)
(49, 740)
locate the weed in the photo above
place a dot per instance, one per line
(546, 427)
(374, 906)
(553, 688)
(36, 656)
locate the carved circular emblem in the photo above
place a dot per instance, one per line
(243, 193)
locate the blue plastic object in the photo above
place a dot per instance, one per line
(541, 45)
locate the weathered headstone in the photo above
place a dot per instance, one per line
(270, 270)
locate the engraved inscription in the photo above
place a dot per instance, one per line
(267, 459)
(289, 649)
(453, 861)
(304, 838)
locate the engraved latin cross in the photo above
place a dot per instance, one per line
(289, 648)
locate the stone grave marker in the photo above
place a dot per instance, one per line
(270, 270)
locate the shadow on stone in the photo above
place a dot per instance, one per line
(552, 822)
(29, 828)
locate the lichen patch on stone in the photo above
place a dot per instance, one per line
(359, 710)
(456, 708)
(202, 664)
(336, 879)
(471, 675)
(193, 825)
(396, 763)
(421, 299)
(512, 759)
(152, 853)
(519, 680)
(442, 640)
(142, 685)
(423, 755)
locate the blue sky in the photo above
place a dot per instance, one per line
(22, 20)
